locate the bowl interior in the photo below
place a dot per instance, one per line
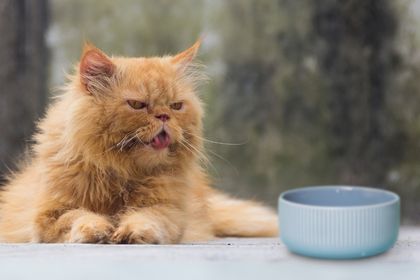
(336, 196)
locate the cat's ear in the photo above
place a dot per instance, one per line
(184, 59)
(96, 69)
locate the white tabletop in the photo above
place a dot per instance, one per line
(229, 258)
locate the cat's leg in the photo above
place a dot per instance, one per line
(74, 226)
(159, 224)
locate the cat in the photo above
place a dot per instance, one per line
(117, 159)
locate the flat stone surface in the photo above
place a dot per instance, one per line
(228, 258)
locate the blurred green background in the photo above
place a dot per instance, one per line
(313, 92)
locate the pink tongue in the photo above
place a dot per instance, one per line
(160, 141)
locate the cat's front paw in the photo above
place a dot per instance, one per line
(91, 229)
(138, 233)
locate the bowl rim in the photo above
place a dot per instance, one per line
(395, 199)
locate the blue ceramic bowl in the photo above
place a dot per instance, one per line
(339, 222)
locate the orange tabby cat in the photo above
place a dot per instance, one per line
(116, 160)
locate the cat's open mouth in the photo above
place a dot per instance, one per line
(161, 140)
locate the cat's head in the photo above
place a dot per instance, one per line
(136, 109)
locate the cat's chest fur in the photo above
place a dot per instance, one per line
(105, 192)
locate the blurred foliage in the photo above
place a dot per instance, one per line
(313, 92)
(129, 27)
(23, 76)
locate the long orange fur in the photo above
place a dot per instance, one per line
(93, 177)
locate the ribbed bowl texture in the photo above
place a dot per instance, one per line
(339, 222)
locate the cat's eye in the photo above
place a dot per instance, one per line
(137, 105)
(176, 106)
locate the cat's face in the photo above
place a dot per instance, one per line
(144, 109)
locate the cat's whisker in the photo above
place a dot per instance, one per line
(207, 162)
(117, 145)
(138, 138)
(190, 150)
(125, 140)
(217, 142)
(122, 143)
(202, 156)
(225, 160)
(215, 154)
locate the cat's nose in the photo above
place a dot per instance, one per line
(163, 117)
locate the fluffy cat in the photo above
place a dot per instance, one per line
(116, 159)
